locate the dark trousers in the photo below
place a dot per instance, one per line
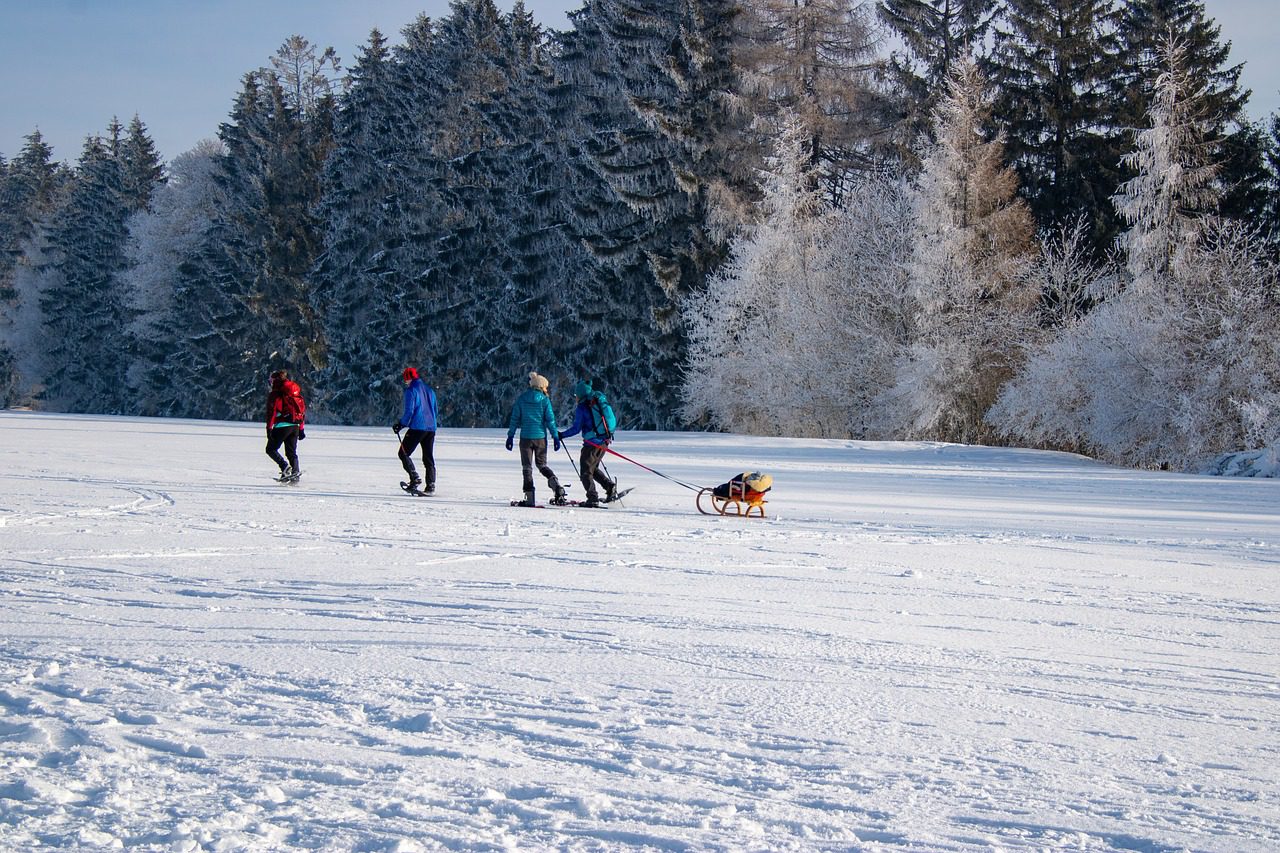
(589, 471)
(409, 442)
(533, 453)
(288, 436)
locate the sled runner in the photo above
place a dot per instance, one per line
(742, 495)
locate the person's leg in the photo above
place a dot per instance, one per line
(408, 444)
(540, 459)
(291, 449)
(526, 462)
(429, 459)
(274, 439)
(585, 471)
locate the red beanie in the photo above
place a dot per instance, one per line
(410, 373)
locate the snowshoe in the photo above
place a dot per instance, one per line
(615, 495)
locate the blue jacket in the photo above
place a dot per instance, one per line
(419, 406)
(588, 419)
(532, 415)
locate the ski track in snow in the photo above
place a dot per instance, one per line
(925, 647)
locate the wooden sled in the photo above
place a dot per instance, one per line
(739, 501)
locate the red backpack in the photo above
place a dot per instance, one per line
(292, 407)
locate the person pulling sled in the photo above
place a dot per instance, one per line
(533, 416)
(595, 420)
(418, 420)
(286, 424)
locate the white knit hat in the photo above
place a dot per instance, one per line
(539, 382)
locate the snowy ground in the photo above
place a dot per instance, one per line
(923, 647)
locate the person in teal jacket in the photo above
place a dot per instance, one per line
(594, 419)
(533, 417)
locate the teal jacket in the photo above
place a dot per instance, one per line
(532, 415)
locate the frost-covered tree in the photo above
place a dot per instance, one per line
(1181, 364)
(799, 332)
(1172, 194)
(970, 297)
(1143, 30)
(816, 60)
(164, 236)
(242, 301)
(747, 308)
(308, 78)
(1164, 380)
(934, 35)
(32, 186)
(85, 312)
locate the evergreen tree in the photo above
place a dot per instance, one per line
(1144, 27)
(671, 157)
(88, 350)
(1173, 194)
(935, 34)
(1271, 220)
(143, 169)
(32, 187)
(372, 196)
(1051, 65)
(242, 304)
(163, 237)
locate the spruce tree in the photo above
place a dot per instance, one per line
(32, 187)
(85, 313)
(1051, 66)
(1144, 27)
(242, 305)
(935, 34)
(360, 287)
(1173, 195)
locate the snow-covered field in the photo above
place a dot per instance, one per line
(924, 647)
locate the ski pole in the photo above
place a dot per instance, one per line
(645, 467)
(565, 448)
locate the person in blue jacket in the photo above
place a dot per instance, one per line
(594, 418)
(533, 416)
(419, 423)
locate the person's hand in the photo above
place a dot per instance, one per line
(396, 427)
(302, 435)
(556, 442)
(509, 443)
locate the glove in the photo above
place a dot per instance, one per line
(560, 436)
(556, 443)
(396, 427)
(509, 443)
(302, 435)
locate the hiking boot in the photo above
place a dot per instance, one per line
(528, 499)
(612, 494)
(430, 489)
(285, 473)
(591, 502)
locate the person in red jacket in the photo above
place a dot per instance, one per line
(286, 424)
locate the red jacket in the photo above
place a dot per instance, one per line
(285, 404)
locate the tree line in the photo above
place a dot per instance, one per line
(904, 219)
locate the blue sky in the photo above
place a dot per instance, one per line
(68, 66)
